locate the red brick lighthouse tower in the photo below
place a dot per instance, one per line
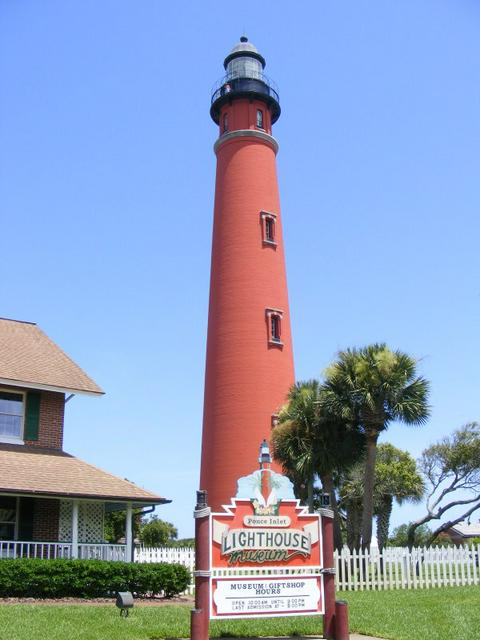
(249, 366)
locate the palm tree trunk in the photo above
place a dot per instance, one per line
(367, 517)
(353, 526)
(383, 521)
(310, 494)
(327, 485)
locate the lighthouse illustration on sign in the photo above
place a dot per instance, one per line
(266, 550)
(249, 363)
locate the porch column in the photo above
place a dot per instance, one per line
(74, 528)
(128, 533)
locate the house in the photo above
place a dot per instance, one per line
(52, 504)
(462, 532)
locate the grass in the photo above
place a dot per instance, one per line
(82, 622)
(435, 614)
(450, 613)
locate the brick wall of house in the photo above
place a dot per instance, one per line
(46, 513)
(50, 432)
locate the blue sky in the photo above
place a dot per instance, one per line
(106, 198)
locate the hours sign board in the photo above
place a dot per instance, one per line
(265, 553)
(267, 596)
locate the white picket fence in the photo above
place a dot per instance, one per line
(399, 568)
(394, 568)
(179, 555)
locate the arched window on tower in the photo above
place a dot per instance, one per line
(269, 221)
(275, 328)
(225, 122)
(260, 119)
(274, 325)
(269, 229)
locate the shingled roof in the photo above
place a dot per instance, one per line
(31, 470)
(467, 529)
(28, 358)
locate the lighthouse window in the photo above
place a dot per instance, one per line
(274, 322)
(259, 118)
(275, 328)
(244, 67)
(225, 122)
(268, 228)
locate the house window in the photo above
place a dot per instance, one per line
(11, 415)
(274, 324)
(225, 122)
(268, 227)
(259, 118)
(8, 517)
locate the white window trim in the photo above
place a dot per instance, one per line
(269, 312)
(257, 126)
(264, 215)
(20, 438)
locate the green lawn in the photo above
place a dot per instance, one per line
(450, 613)
(437, 614)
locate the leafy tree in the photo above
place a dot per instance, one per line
(452, 472)
(399, 537)
(114, 525)
(182, 542)
(396, 478)
(157, 533)
(372, 387)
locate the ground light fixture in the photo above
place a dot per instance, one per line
(124, 602)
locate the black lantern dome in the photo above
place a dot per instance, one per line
(244, 77)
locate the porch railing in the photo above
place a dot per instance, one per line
(103, 552)
(50, 550)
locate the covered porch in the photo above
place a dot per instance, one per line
(53, 505)
(37, 527)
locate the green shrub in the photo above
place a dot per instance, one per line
(35, 578)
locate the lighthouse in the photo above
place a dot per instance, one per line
(249, 361)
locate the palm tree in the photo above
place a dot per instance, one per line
(285, 445)
(372, 387)
(352, 489)
(309, 443)
(293, 439)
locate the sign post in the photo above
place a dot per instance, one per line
(263, 555)
(328, 574)
(200, 616)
